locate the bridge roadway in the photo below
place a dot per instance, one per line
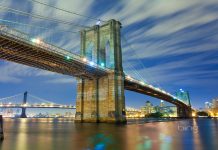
(143, 88)
(20, 48)
(36, 106)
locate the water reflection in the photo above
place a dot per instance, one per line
(21, 138)
(56, 134)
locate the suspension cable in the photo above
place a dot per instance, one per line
(67, 11)
(41, 99)
(1, 99)
(130, 65)
(142, 65)
(35, 26)
(19, 12)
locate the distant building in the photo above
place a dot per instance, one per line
(161, 103)
(148, 108)
(133, 113)
(212, 108)
(168, 111)
(157, 108)
(208, 105)
(215, 103)
(184, 96)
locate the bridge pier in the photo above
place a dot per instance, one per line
(183, 112)
(23, 113)
(102, 99)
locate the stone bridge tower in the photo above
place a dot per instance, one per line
(23, 112)
(102, 99)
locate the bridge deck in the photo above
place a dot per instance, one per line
(37, 107)
(133, 85)
(17, 47)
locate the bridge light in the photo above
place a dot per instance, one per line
(102, 64)
(68, 57)
(91, 63)
(193, 114)
(98, 22)
(37, 41)
(84, 59)
(128, 77)
(33, 40)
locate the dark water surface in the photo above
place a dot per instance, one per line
(64, 134)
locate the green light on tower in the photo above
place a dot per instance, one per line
(67, 57)
(102, 64)
(33, 40)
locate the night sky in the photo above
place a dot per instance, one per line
(170, 44)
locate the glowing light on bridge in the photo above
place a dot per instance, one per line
(37, 41)
(102, 64)
(128, 77)
(151, 86)
(98, 22)
(193, 114)
(84, 59)
(68, 57)
(181, 90)
(91, 63)
(142, 83)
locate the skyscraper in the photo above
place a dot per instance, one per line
(215, 103)
(161, 103)
(208, 105)
(148, 108)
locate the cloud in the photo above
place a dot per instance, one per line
(62, 81)
(10, 72)
(16, 73)
(167, 42)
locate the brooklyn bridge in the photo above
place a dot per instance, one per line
(101, 80)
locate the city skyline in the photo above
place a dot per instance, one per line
(169, 53)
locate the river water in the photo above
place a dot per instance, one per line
(64, 134)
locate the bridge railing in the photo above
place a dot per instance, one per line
(15, 34)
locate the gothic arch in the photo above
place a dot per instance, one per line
(90, 51)
(107, 54)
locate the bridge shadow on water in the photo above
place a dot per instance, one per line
(64, 134)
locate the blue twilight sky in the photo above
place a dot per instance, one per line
(171, 44)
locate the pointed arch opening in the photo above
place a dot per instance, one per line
(107, 54)
(90, 51)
